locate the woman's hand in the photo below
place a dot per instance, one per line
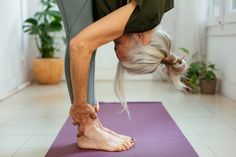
(97, 107)
(81, 113)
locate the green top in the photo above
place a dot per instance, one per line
(146, 15)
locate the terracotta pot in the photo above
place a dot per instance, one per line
(48, 70)
(208, 86)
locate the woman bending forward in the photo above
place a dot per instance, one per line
(140, 49)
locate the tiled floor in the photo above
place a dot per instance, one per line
(31, 119)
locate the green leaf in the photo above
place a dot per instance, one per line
(185, 50)
(34, 30)
(31, 21)
(54, 13)
(46, 40)
(39, 15)
(27, 30)
(56, 16)
(212, 66)
(26, 26)
(42, 27)
(54, 27)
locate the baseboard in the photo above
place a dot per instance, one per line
(17, 89)
(228, 89)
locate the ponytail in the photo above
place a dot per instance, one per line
(147, 59)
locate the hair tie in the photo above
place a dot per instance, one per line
(171, 59)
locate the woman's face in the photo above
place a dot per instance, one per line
(124, 43)
(122, 46)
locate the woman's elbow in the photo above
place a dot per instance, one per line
(81, 45)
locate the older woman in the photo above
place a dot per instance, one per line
(140, 49)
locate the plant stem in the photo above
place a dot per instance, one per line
(37, 44)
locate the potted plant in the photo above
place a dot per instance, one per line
(191, 77)
(47, 68)
(199, 75)
(208, 79)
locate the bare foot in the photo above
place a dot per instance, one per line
(114, 133)
(97, 107)
(95, 137)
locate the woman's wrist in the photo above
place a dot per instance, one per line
(80, 103)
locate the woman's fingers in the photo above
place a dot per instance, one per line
(93, 115)
(74, 123)
(81, 114)
(97, 107)
(81, 129)
(73, 117)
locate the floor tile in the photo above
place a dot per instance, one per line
(230, 120)
(14, 130)
(31, 152)
(8, 152)
(224, 151)
(209, 125)
(219, 140)
(39, 141)
(10, 141)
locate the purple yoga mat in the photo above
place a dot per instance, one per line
(156, 134)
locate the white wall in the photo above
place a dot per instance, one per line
(222, 52)
(14, 60)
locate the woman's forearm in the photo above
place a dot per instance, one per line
(80, 57)
(82, 47)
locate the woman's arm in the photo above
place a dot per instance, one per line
(105, 29)
(82, 46)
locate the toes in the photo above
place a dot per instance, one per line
(132, 142)
(127, 145)
(121, 148)
(133, 139)
(129, 138)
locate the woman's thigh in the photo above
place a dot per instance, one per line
(76, 15)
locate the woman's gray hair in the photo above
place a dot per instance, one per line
(146, 59)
